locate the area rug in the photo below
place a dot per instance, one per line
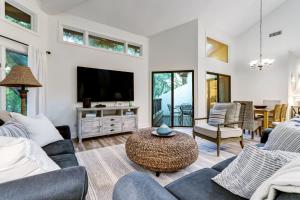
(106, 165)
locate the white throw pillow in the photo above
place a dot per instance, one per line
(21, 157)
(41, 129)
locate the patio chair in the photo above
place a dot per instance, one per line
(186, 110)
(230, 131)
(176, 113)
(251, 123)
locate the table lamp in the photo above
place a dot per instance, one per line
(22, 77)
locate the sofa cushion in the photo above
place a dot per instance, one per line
(232, 112)
(251, 168)
(285, 137)
(59, 147)
(65, 160)
(199, 186)
(14, 129)
(211, 131)
(41, 129)
(21, 157)
(222, 165)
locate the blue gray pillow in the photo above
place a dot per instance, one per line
(14, 129)
(216, 117)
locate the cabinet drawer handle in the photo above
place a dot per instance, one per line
(112, 125)
(112, 130)
(112, 119)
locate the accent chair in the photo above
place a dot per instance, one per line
(230, 131)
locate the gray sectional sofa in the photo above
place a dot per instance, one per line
(195, 186)
(69, 183)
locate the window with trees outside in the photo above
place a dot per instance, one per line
(73, 36)
(16, 15)
(13, 58)
(107, 44)
(134, 50)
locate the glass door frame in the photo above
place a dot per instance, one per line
(13, 46)
(172, 94)
(218, 86)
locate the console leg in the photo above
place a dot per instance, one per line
(157, 174)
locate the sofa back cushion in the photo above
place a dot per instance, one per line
(285, 137)
(21, 157)
(232, 112)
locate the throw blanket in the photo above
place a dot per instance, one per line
(286, 179)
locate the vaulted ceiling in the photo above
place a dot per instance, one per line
(148, 17)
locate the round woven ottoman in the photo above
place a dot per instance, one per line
(161, 154)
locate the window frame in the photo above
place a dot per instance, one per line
(86, 34)
(73, 29)
(4, 45)
(108, 38)
(137, 45)
(33, 16)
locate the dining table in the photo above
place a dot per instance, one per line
(265, 112)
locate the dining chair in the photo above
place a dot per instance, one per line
(283, 111)
(230, 131)
(276, 116)
(251, 123)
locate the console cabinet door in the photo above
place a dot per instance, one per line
(90, 126)
(129, 124)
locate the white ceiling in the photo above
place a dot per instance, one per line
(148, 17)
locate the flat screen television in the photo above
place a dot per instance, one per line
(102, 85)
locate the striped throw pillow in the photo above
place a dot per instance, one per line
(216, 117)
(285, 137)
(14, 129)
(251, 168)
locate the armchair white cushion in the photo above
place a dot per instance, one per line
(211, 131)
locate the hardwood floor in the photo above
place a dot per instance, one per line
(104, 141)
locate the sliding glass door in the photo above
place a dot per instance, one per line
(172, 98)
(218, 89)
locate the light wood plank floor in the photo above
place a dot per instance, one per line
(104, 141)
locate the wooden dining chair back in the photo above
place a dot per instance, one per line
(277, 113)
(283, 112)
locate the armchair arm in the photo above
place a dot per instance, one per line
(64, 131)
(139, 186)
(65, 184)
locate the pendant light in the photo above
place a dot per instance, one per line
(261, 62)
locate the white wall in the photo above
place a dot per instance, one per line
(272, 83)
(183, 48)
(61, 102)
(206, 64)
(176, 49)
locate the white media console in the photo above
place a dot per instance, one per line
(93, 122)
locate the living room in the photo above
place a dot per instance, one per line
(117, 94)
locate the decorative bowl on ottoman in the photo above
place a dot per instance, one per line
(164, 130)
(161, 154)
